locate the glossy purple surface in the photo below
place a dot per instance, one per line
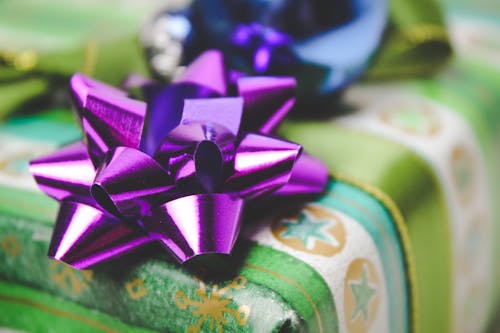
(324, 44)
(66, 173)
(179, 175)
(108, 117)
(85, 235)
(263, 41)
(195, 224)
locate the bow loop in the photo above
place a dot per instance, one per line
(262, 164)
(267, 101)
(67, 173)
(189, 143)
(307, 177)
(196, 224)
(108, 117)
(204, 142)
(86, 236)
(225, 111)
(129, 182)
(166, 109)
(207, 70)
(209, 164)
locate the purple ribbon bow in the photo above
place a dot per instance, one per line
(177, 170)
(265, 44)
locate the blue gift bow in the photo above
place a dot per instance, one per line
(336, 56)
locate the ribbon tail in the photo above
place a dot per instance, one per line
(267, 101)
(262, 165)
(109, 118)
(67, 173)
(85, 236)
(196, 225)
(309, 177)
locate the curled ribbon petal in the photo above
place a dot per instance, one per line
(184, 183)
(207, 70)
(67, 173)
(197, 224)
(183, 141)
(86, 236)
(267, 99)
(82, 85)
(262, 164)
(308, 177)
(129, 182)
(226, 112)
(109, 118)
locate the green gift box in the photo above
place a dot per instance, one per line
(402, 241)
(449, 195)
(281, 277)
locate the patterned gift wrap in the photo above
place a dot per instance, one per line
(402, 240)
(303, 271)
(434, 150)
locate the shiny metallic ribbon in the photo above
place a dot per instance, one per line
(177, 170)
(265, 45)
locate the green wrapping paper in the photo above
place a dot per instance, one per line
(43, 43)
(416, 41)
(35, 311)
(15, 94)
(403, 239)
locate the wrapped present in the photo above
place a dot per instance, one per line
(284, 274)
(282, 281)
(450, 207)
(296, 288)
(402, 240)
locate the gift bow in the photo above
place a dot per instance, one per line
(182, 177)
(325, 44)
(266, 45)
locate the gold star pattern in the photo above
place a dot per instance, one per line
(213, 305)
(362, 295)
(69, 278)
(136, 289)
(11, 246)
